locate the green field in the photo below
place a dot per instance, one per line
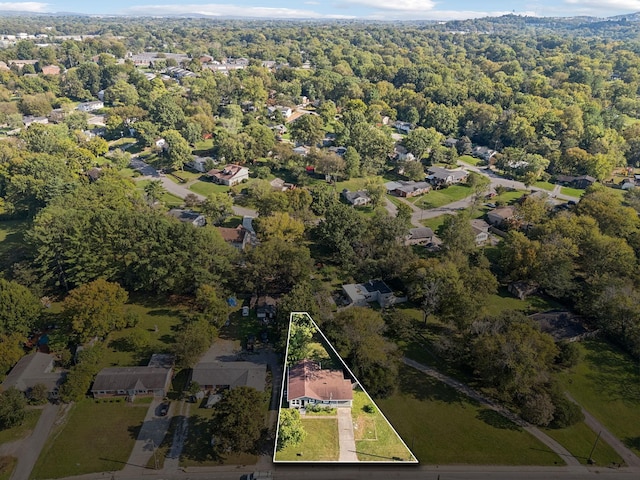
(579, 440)
(375, 439)
(11, 239)
(206, 188)
(606, 383)
(21, 431)
(152, 314)
(438, 198)
(442, 426)
(320, 444)
(7, 465)
(472, 160)
(545, 185)
(96, 437)
(503, 300)
(571, 192)
(508, 197)
(168, 199)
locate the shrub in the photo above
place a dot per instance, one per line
(569, 354)
(368, 408)
(566, 413)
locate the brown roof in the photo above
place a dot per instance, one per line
(306, 379)
(227, 173)
(233, 235)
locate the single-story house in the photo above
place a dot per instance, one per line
(280, 185)
(480, 230)
(265, 307)
(583, 181)
(230, 175)
(403, 127)
(199, 164)
(360, 294)
(484, 153)
(286, 112)
(130, 381)
(442, 176)
(450, 142)
(188, 216)
(29, 120)
(238, 237)
(33, 369)
(407, 188)
(561, 325)
(500, 215)
(419, 236)
(357, 199)
(309, 384)
(90, 106)
(51, 70)
(301, 150)
(216, 376)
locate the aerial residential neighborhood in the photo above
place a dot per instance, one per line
(237, 248)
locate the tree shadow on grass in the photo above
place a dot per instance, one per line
(164, 312)
(422, 387)
(615, 374)
(632, 442)
(494, 419)
(197, 445)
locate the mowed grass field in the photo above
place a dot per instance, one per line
(438, 198)
(606, 383)
(375, 439)
(7, 465)
(320, 444)
(442, 426)
(21, 431)
(96, 437)
(579, 440)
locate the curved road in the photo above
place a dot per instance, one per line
(150, 173)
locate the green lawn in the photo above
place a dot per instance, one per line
(11, 240)
(503, 300)
(508, 197)
(572, 192)
(168, 199)
(472, 160)
(206, 188)
(438, 198)
(320, 444)
(606, 383)
(21, 431)
(434, 223)
(96, 437)
(187, 175)
(442, 426)
(153, 313)
(545, 185)
(579, 440)
(375, 439)
(7, 464)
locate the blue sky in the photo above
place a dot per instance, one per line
(365, 9)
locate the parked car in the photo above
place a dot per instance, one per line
(163, 409)
(251, 342)
(264, 336)
(245, 311)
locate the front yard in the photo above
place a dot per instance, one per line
(96, 437)
(375, 439)
(438, 198)
(320, 444)
(21, 431)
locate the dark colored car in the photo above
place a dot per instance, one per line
(163, 409)
(251, 342)
(264, 336)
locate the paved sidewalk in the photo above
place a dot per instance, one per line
(154, 428)
(346, 436)
(630, 458)
(562, 452)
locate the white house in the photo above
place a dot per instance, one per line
(360, 294)
(481, 230)
(230, 175)
(90, 106)
(357, 199)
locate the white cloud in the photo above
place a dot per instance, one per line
(217, 10)
(23, 7)
(630, 5)
(405, 5)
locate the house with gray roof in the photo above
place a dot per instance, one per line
(357, 199)
(439, 176)
(132, 381)
(217, 376)
(419, 236)
(33, 369)
(188, 216)
(360, 294)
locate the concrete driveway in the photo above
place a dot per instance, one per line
(153, 430)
